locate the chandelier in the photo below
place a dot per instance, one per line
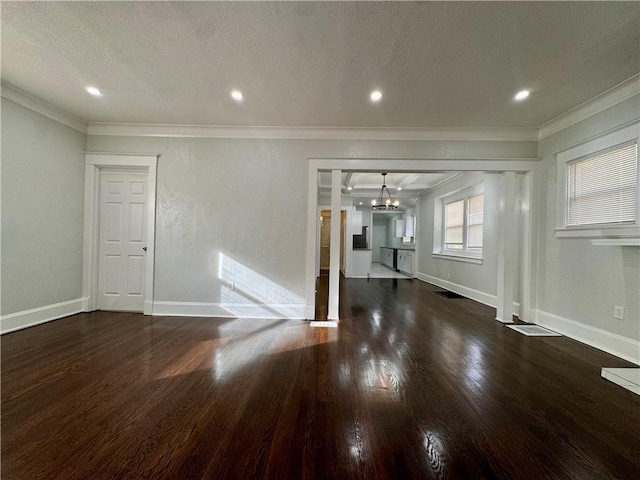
(383, 203)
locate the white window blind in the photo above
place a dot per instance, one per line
(475, 222)
(454, 225)
(602, 188)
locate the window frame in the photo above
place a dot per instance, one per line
(617, 137)
(439, 230)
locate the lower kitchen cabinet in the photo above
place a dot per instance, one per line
(405, 261)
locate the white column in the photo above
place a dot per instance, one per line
(507, 241)
(334, 251)
(312, 227)
(525, 249)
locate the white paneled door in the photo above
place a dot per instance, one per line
(123, 234)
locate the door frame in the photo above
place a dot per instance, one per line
(345, 244)
(528, 166)
(94, 164)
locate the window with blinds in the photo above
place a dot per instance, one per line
(602, 187)
(463, 224)
(475, 224)
(454, 225)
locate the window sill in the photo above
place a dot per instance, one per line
(622, 232)
(457, 257)
(616, 242)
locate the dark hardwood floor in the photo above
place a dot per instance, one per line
(411, 385)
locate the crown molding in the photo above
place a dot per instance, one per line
(312, 133)
(39, 106)
(599, 103)
(621, 92)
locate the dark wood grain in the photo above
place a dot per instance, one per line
(411, 385)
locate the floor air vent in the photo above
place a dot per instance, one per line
(534, 331)
(448, 294)
(325, 324)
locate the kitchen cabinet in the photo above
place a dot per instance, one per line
(399, 228)
(405, 227)
(361, 263)
(405, 261)
(409, 226)
(386, 256)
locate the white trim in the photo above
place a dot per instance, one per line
(616, 136)
(613, 231)
(35, 316)
(506, 247)
(43, 108)
(599, 103)
(313, 242)
(440, 203)
(334, 246)
(229, 310)
(480, 297)
(623, 347)
(312, 133)
(412, 165)
(428, 165)
(458, 258)
(616, 242)
(122, 160)
(94, 163)
(628, 378)
(528, 238)
(628, 132)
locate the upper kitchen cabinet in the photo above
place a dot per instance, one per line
(409, 226)
(399, 228)
(405, 227)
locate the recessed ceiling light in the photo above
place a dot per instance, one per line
(376, 96)
(399, 188)
(522, 95)
(237, 95)
(349, 188)
(359, 203)
(94, 91)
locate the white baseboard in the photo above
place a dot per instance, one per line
(34, 316)
(623, 347)
(309, 312)
(477, 295)
(229, 310)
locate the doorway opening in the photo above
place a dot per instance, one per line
(434, 258)
(120, 206)
(322, 287)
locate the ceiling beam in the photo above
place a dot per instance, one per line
(411, 178)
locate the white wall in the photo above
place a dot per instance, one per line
(241, 205)
(42, 211)
(247, 199)
(579, 282)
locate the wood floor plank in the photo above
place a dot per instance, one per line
(410, 385)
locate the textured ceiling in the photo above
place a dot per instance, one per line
(439, 64)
